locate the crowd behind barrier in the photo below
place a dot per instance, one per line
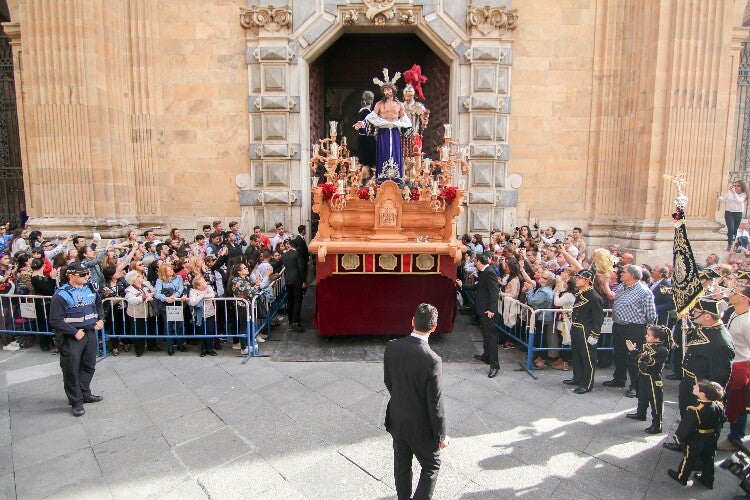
(536, 335)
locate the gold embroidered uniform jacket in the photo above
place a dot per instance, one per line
(701, 422)
(588, 313)
(709, 354)
(651, 359)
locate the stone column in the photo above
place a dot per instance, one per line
(81, 80)
(660, 107)
(270, 192)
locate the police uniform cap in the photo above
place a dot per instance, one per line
(77, 268)
(743, 275)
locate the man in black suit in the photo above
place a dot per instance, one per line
(486, 304)
(294, 277)
(415, 416)
(302, 248)
(662, 290)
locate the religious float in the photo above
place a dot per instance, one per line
(385, 246)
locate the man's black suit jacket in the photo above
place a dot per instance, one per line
(487, 291)
(663, 300)
(294, 268)
(413, 374)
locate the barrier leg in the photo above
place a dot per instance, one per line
(529, 358)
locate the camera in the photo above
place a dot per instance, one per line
(558, 241)
(536, 226)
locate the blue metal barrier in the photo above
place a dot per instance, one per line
(527, 326)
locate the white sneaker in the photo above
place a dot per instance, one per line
(263, 336)
(244, 351)
(13, 346)
(259, 339)
(236, 346)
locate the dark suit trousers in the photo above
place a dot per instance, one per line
(294, 302)
(78, 363)
(624, 363)
(429, 460)
(490, 336)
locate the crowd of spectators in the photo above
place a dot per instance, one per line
(149, 275)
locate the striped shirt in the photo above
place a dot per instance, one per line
(634, 305)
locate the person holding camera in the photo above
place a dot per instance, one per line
(734, 207)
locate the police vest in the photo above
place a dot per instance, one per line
(80, 311)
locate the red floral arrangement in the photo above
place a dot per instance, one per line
(414, 196)
(448, 194)
(364, 194)
(328, 191)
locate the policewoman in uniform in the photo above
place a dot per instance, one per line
(75, 312)
(587, 319)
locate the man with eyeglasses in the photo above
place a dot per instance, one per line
(708, 355)
(76, 312)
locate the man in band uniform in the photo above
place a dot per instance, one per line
(587, 319)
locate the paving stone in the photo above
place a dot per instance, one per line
(172, 405)
(190, 426)
(337, 477)
(117, 415)
(45, 445)
(26, 423)
(157, 389)
(7, 486)
(212, 450)
(188, 489)
(6, 459)
(344, 392)
(286, 391)
(244, 477)
(75, 474)
(259, 376)
(371, 409)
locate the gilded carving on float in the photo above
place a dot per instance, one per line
(487, 19)
(425, 262)
(270, 18)
(388, 214)
(387, 261)
(350, 261)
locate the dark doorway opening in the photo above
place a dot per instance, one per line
(340, 75)
(12, 200)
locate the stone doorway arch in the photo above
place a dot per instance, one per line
(283, 42)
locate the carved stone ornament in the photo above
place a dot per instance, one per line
(380, 11)
(487, 19)
(271, 19)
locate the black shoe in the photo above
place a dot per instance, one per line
(654, 429)
(93, 399)
(613, 383)
(170, 351)
(211, 352)
(673, 474)
(78, 411)
(182, 348)
(138, 354)
(581, 390)
(217, 346)
(636, 416)
(493, 371)
(570, 381)
(153, 349)
(203, 353)
(631, 393)
(298, 328)
(674, 447)
(481, 358)
(699, 477)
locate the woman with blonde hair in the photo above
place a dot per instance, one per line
(203, 312)
(169, 291)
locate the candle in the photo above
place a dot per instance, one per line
(334, 150)
(343, 141)
(332, 128)
(444, 153)
(463, 154)
(407, 193)
(352, 163)
(426, 162)
(447, 129)
(434, 188)
(341, 186)
(316, 150)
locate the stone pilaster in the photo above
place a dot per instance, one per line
(660, 107)
(483, 114)
(271, 191)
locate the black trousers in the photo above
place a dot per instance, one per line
(624, 363)
(703, 450)
(650, 392)
(584, 358)
(490, 338)
(78, 364)
(294, 302)
(685, 396)
(429, 460)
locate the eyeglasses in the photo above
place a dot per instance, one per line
(81, 274)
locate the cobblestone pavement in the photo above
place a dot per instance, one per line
(191, 427)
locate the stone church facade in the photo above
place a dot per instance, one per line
(141, 113)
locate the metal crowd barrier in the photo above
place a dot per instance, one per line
(29, 315)
(234, 317)
(529, 327)
(278, 288)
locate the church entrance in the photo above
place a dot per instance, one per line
(340, 75)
